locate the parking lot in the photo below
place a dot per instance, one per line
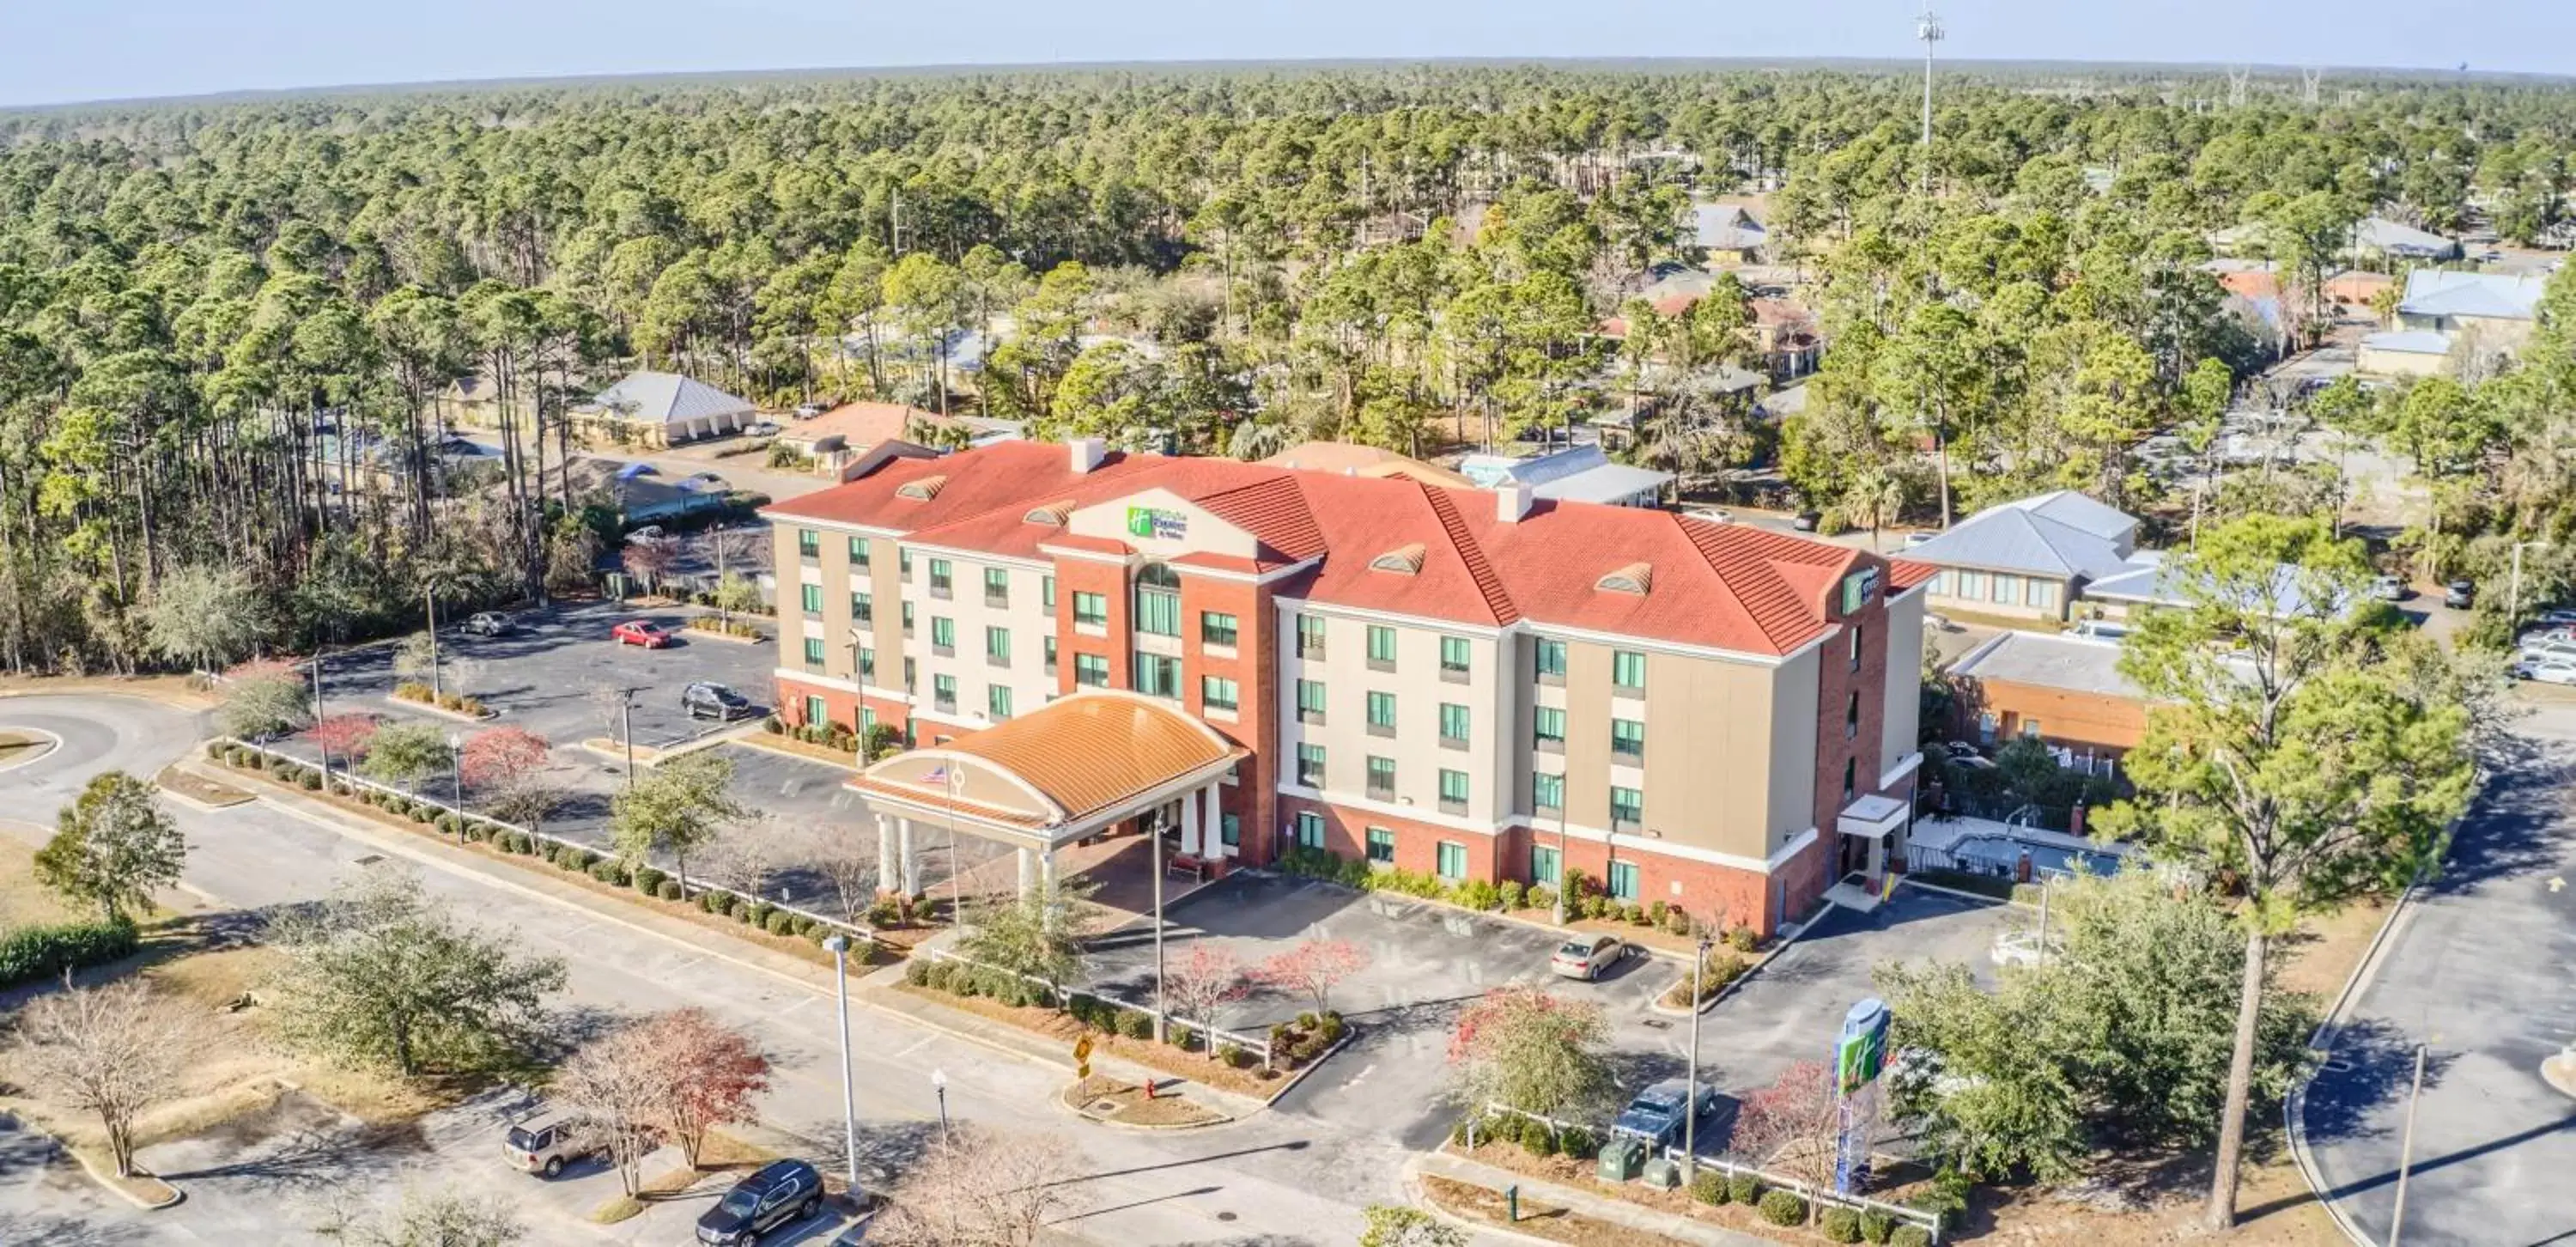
(1427, 960)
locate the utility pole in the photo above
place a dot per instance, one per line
(1156, 835)
(2237, 77)
(429, 598)
(839, 947)
(2308, 84)
(2406, 1150)
(894, 232)
(626, 730)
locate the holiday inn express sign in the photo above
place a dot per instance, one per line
(1157, 522)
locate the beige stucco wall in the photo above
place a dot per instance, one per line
(1712, 741)
(2379, 363)
(1419, 692)
(1791, 784)
(1899, 725)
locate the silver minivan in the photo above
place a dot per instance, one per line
(549, 1141)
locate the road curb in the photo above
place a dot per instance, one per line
(2322, 1042)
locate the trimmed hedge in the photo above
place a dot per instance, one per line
(1709, 1187)
(31, 953)
(1875, 1226)
(1744, 1188)
(1783, 1208)
(668, 889)
(1910, 1235)
(1840, 1225)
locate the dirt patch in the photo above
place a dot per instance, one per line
(199, 788)
(175, 690)
(1053, 1024)
(23, 901)
(1538, 1219)
(1107, 1099)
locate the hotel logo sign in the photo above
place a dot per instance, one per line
(1157, 523)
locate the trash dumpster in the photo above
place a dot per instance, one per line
(1621, 1158)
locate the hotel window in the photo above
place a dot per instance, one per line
(858, 551)
(813, 596)
(1048, 643)
(1381, 846)
(1855, 646)
(1452, 862)
(1623, 881)
(1381, 778)
(907, 619)
(943, 635)
(1453, 792)
(997, 702)
(997, 646)
(1543, 865)
(1628, 739)
(1090, 671)
(1158, 601)
(816, 713)
(1547, 728)
(809, 544)
(867, 721)
(997, 586)
(1157, 675)
(867, 663)
(1218, 693)
(1310, 830)
(1551, 662)
(1217, 628)
(1310, 636)
(1310, 765)
(1091, 608)
(903, 565)
(1851, 772)
(1628, 671)
(911, 679)
(1453, 724)
(1046, 593)
(813, 651)
(1851, 715)
(2030, 728)
(863, 608)
(1454, 659)
(943, 693)
(942, 578)
(1381, 714)
(1381, 648)
(1547, 792)
(1229, 830)
(1310, 701)
(1627, 808)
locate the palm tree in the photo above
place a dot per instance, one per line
(1875, 497)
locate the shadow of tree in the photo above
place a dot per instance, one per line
(2371, 1065)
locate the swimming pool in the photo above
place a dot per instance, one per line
(2001, 856)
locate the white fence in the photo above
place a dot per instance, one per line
(1816, 1198)
(691, 891)
(1214, 1036)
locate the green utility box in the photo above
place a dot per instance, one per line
(1662, 1174)
(1621, 1158)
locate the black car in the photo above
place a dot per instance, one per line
(2460, 595)
(780, 1192)
(707, 700)
(491, 623)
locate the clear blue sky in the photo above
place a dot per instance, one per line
(62, 50)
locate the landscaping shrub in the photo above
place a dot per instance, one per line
(613, 872)
(1840, 1225)
(942, 976)
(780, 922)
(668, 889)
(1181, 1037)
(1910, 1235)
(884, 914)
(1479, 894)
(312, 781)
(712, 902)
(1742, 939)
(1678, 921)
(1233, 1056)
(1330, 1028)
(1783, 1208)
(760, 914)
(217, 751)
(1577, 1141)
(1744, 1188)
(1875, 1226)
(1655, 913)
(448, 824)
(1135, 1024)
(1709, 1187)
(916, 972)
(36, 952)
(1536, 1138)
(649, 878)
(1511, 895)
(422, 812)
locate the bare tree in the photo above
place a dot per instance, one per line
(668, 1077)
(442, 1218)
(740, 857)
(1794, 1126)
(113, 1050)
(617, 1083)
(847, 862)
(1207, 980)
(980, 1188)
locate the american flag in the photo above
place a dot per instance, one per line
(937, 775)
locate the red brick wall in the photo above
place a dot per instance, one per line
(1256, 723)
(841, 704)
(1806, 877)
(1110, 581)
(1416, 843)
(2101, 723)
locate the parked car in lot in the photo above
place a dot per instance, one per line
(780, 1192)
(2547, 670)
(702, 482)
(1657, 1114)
(2460, 595)
(2390, 589)
(642, 632)
(491, 623)
(1806, 521)
(647, 535)
(764, 428)
(1714, 515)
(2559, 616)
(1588, 957)
(807, 411)
(707, 699)
(2099, 630)
(2551, 649)
(549, 1141)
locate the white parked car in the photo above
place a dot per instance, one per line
(2559, 616)
(2547, 670)
(2099, 630)
(2549, 651)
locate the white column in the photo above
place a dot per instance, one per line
(911, 863)
(886, 876)
(1215, 823)
(1046, 880)
(1028, 871)
(1190, 824)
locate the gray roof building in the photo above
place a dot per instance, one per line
(2434, 294)
(1574, 474)
(667, 398)
(2062, 535)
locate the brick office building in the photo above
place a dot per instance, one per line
(1474, 684)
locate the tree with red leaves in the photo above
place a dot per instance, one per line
(343, 736)
(648, 561)
(711, 1074)
(1207, 980)
(502, 756)
(1793, 1127)
(1525, 1049)
(1313, 969)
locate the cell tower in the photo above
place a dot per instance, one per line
(1928, 29)
(2308, 79)
(2237, 77)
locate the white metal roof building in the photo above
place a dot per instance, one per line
(666, 407)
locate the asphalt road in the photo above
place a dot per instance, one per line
(1275, 1179)
(2479, 974)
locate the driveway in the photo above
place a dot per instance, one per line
(1426, 961)
(2478, 974)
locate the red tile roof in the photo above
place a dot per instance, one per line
(1724, 586)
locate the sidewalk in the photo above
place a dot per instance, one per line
(1440, 1164)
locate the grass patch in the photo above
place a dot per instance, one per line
(200, 789)
(1538, 1219)
(1130, 1106)
(25, 902)
(615, 1209)
(1054, 1024)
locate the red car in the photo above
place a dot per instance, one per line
(642, 632)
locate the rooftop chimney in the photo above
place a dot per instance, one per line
(1087, 454)
(1512, 501)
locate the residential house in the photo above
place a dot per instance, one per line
(653, 409)
(839, 441)
(2029, 558)
(1727, 233)
(1572, 474)
(2443, 310)
(1250, 659)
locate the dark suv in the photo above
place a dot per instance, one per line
(781, 1192)
(707, 700)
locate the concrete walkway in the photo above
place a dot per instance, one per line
(1598, 1207)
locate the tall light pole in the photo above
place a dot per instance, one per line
(1156, 835)
(429, 599)
(839, 947)
(1928, 29)
(939, 1087)
(1690, 1107)
(2513, 600)
(456, 778)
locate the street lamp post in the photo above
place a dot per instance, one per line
(456, 778)
(839, 946)
(1691, 1107)
(939, 1086)
(626, 730)
(1156, 835)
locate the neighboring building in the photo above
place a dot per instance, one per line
(1573, 474)
(1477, 685)
(845, 441)
(2382, 239)
(472, 401)
(2067, 692)
(2499, 307)
(2027, 559)
(1787, 338)
(662, 409)
(2357, 290)
(2403, 353)
(1353, 459)
(636, 492)
(1728, 234)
